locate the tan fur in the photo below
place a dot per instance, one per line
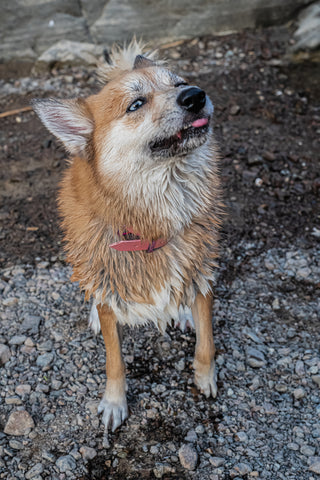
(113, 183)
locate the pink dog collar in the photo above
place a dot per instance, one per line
(137, 244)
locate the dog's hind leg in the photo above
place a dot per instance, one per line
(114, 401)
(204, 364)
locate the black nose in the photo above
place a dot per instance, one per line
(192, 99)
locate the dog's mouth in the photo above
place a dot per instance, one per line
(188, 138)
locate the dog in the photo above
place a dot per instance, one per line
(141, 207)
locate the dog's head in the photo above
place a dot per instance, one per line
(144, 113)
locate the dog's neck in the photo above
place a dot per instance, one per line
(167, 195)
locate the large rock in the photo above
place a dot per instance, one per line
(307, 35)
(164, 20)
(66, 53)
(29, 28)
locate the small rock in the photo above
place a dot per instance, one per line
(35, 470)
(66, 463)
(316, 379)
(30, 324)
(276, 304)
(23, 390)
(304, 272)
(299, 368)
(269, 156)
(45, 360)
(235, 109)
(5, 353)
(200, 429)
(188, 457)
(17, 340)
(48, 456)
(162, 469)
(241, 437)
(216, 461)
(16, 445)
(9, 302)
(255, 159)
(255, 358)
(307, 450)
(298, 393)
(88, 453)
(240, 469)
(19, 423)
(315, 465)
(191, 436)
(154, 449)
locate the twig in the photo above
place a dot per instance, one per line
(15, 112)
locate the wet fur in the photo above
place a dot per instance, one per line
(114, 181)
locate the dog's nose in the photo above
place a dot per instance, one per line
(192, 99)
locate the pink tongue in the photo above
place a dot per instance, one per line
(200, 123)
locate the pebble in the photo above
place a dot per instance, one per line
(241, 437)
(240, 469)
(19, 423)
(216, 461)
(45, 360)
(88, 453)
(5, 353)
(235, 109)
(316, 379)
(191, 436)
(315, 465)
(17, 340)
(9, 302)
(188, 457)
(23, 390)
(162, 469)
(35, 471)
(307, 450)
(66, 463)
(255, 159)
(299, 368)
(255, 358)
(299, 393)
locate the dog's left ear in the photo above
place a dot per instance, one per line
(121, 60)
(69, 120)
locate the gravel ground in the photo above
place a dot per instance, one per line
(265, 422)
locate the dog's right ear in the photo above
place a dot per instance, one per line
(69, 120)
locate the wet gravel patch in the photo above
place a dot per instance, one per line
(264, 424)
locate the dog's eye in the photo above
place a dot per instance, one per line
(179, 84)
(136, 104)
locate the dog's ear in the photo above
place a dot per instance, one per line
(142, 62)
(121, 60)
(69, 120)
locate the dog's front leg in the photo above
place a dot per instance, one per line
(114, 401)
(204, 364)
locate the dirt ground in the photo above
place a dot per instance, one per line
(267, 121)
(273, 137)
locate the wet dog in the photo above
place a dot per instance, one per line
(141, 208)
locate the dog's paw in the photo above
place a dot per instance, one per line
(114, 413)
(206, 379)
